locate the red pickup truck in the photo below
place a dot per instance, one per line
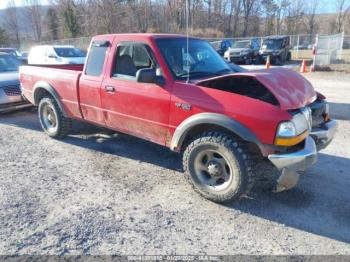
(178, 92)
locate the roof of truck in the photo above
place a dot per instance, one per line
(146, 35)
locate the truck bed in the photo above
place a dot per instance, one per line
(64, 79)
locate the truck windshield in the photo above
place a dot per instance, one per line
(241, 44)
(200, 61)
(9, 63)
(69, 52)
(272, 43)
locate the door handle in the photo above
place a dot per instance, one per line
(110, 89)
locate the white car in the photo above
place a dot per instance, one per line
(56, 55)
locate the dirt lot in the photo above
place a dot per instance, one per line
(98, 194)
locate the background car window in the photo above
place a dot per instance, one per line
(9, 63)
(96, 59)
(69, 52)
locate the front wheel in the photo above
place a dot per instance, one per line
(249, 60)
(219, 167)
(52, 120)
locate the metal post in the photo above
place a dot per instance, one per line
(298, 47)
(341, 45)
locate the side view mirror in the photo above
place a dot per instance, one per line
(148, 75)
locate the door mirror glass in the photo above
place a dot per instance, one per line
(149, 75)
(146, 75)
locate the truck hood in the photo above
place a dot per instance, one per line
(9, 78)
(291, 89)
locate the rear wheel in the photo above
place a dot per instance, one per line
(218, 167)
(52, 120)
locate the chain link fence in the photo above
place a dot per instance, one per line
(329, 49)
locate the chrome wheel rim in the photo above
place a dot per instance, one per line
(213, 170)
(49, 118)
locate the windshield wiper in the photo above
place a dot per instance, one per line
(198, 72)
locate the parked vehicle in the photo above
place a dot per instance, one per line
(56, 55)
(222, 122)
(14, 52)
(277, 47)
(244, 51)
(224, 46)
(10, 92)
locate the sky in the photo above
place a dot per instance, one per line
(4, 3)
(326, 6)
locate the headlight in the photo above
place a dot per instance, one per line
(292, 132)
(227, 53)
(286, 129)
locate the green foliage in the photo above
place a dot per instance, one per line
(70, 21)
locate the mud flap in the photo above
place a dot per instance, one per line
(287, 180)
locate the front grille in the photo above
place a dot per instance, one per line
(12, 90)
(318, 108)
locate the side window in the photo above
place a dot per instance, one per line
(96, 59)
(130, 58)
(141, 57)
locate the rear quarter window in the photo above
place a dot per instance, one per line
(96, 60)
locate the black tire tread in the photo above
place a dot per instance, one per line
(245, 159)
(65, 124)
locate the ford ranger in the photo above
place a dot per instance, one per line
(178, 92)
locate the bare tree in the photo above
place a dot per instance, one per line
(295, 15)
(11, 21)
(281, 13)
(343, 9)
(270, 10)
(248, 8)
(33, 13)
(311, 11)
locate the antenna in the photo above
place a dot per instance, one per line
(187, 43)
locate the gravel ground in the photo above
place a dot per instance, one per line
(97, 193)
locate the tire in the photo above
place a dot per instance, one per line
(219, 167)
(282, 59)
(52, 120)
(249, 60)
(289, 56)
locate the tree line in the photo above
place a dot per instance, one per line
(207, 18)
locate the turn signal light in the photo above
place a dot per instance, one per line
(291, 141)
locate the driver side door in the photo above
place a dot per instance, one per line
(140, 109)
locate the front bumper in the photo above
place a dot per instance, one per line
(324, 135)
(237, 59)
(291, 163)
(296, 161)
